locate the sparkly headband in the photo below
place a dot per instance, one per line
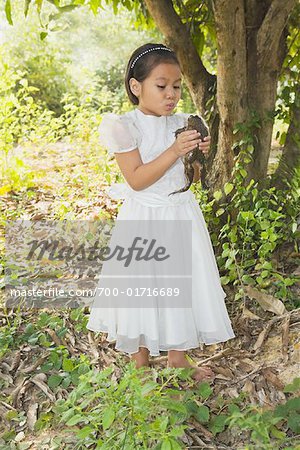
(147, 51)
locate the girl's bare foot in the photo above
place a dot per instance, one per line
(177, 359)
(141, 357)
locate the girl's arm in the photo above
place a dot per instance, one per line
(140, 176)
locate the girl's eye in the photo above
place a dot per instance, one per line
(162, 87)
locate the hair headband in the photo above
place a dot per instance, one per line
(147, 51)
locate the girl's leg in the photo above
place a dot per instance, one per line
(176, 358)
(141, 357)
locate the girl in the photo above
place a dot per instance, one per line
(150, 159)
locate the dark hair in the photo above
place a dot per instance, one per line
(145, 64)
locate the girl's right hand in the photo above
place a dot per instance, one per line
(185, 142)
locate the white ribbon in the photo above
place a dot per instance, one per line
(122, 191)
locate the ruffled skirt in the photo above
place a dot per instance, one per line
(205, 320)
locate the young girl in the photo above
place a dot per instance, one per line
(150, 159)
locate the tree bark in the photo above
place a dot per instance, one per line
(290, 158)
(248, 69)
(265, 59)
(232, 83)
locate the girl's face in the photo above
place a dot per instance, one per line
(160, 92)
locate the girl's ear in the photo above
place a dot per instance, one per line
(135, 86)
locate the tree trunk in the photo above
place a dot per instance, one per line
(232, 83)
(266, 52)
(290, 158)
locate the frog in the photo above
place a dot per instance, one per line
(194, 122)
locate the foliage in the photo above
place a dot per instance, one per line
(132, 410)
(147, 411)
(46, 70)
(25, 121)
(270, 426)
(17, 332)
(155, 415)
(21, 119)
(265, 426)
(45, 65)
(249, 223)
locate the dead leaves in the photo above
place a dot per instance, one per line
(266, 301)
(244, 364)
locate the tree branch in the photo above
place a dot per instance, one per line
(270, 31)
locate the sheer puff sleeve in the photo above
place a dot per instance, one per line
(117, 134)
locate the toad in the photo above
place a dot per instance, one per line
(195, 155)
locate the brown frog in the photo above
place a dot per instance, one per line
(194, 123)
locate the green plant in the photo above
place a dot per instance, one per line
(268, 428)
(249, 223)
(130, 413)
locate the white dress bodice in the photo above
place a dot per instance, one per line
(152, 135)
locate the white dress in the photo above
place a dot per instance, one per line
(160, 329)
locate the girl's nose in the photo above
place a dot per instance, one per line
(171, 93)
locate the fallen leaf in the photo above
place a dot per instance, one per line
(32, 415)
(266, 301)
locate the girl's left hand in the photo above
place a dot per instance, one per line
(205, 146)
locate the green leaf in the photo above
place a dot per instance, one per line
(67, 415)
(174, 405)
(75, 419)
(228, 188)
(54, 381)
(115, 6)
(277, 433)
(294, 422)
(204, 390)
(84, 432)
(192, 407)
(225, 279)
(243, 173)
(166, 445)
(293, 404)
(249, 280)
(218, 423)
(43, 35)
(66, 382)
(217, 195)
(203, 414)
(293, 387)
(26, 7)
(163, 423)
(8, 12)
(220, 211)
(108, 418)
(94, 5)
(175, 444)
(39, 5)
(148, 387)
(68, 365)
